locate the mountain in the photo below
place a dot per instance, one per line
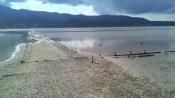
(11, 18)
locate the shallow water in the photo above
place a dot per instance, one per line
(9, 41)
(121, 40)
(159, 68)
(106, 41)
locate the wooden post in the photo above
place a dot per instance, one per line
(145, 52)
(22, 61)
(166, 53)
(100, 50)
(130, 53)
(92, 60)
(115, 54)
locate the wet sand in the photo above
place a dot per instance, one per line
(52, 71)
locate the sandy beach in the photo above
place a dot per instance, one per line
(53, 71)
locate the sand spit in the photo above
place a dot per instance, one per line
(53, 71)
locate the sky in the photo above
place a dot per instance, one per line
(150, 9)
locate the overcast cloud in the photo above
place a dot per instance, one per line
(129, 7)
(7, 2)
(108, 6)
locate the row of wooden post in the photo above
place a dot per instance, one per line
(22, 61)
(75, 51)
(145, 52)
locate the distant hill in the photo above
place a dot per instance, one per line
(11, 18)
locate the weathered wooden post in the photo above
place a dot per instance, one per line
(100, 51)
(115, 54)
(130, 53)
(92, 59)
(166, 53)
(22, 61)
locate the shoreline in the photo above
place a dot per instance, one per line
(118, 62)
(127, 67)
(80, 27)
(20, 52)
(123, 64)
(15, 54)
(53, 71)
(37, 29)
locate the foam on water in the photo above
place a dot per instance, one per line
(13, 56)
(12, 44)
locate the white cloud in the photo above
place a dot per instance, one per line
(151, 16)
(104, 6)
(157, 17)
(51, 7)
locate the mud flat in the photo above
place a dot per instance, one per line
(54, 71)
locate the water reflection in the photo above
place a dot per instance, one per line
(80, 44)
(159, 68)
(120, 40)
(110, 46)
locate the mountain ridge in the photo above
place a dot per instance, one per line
(12, 18)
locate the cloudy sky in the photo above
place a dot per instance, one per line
(150, 9)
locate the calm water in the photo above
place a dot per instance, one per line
(121, 40)
(160, 68)
(107, 41)
(9, 40)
